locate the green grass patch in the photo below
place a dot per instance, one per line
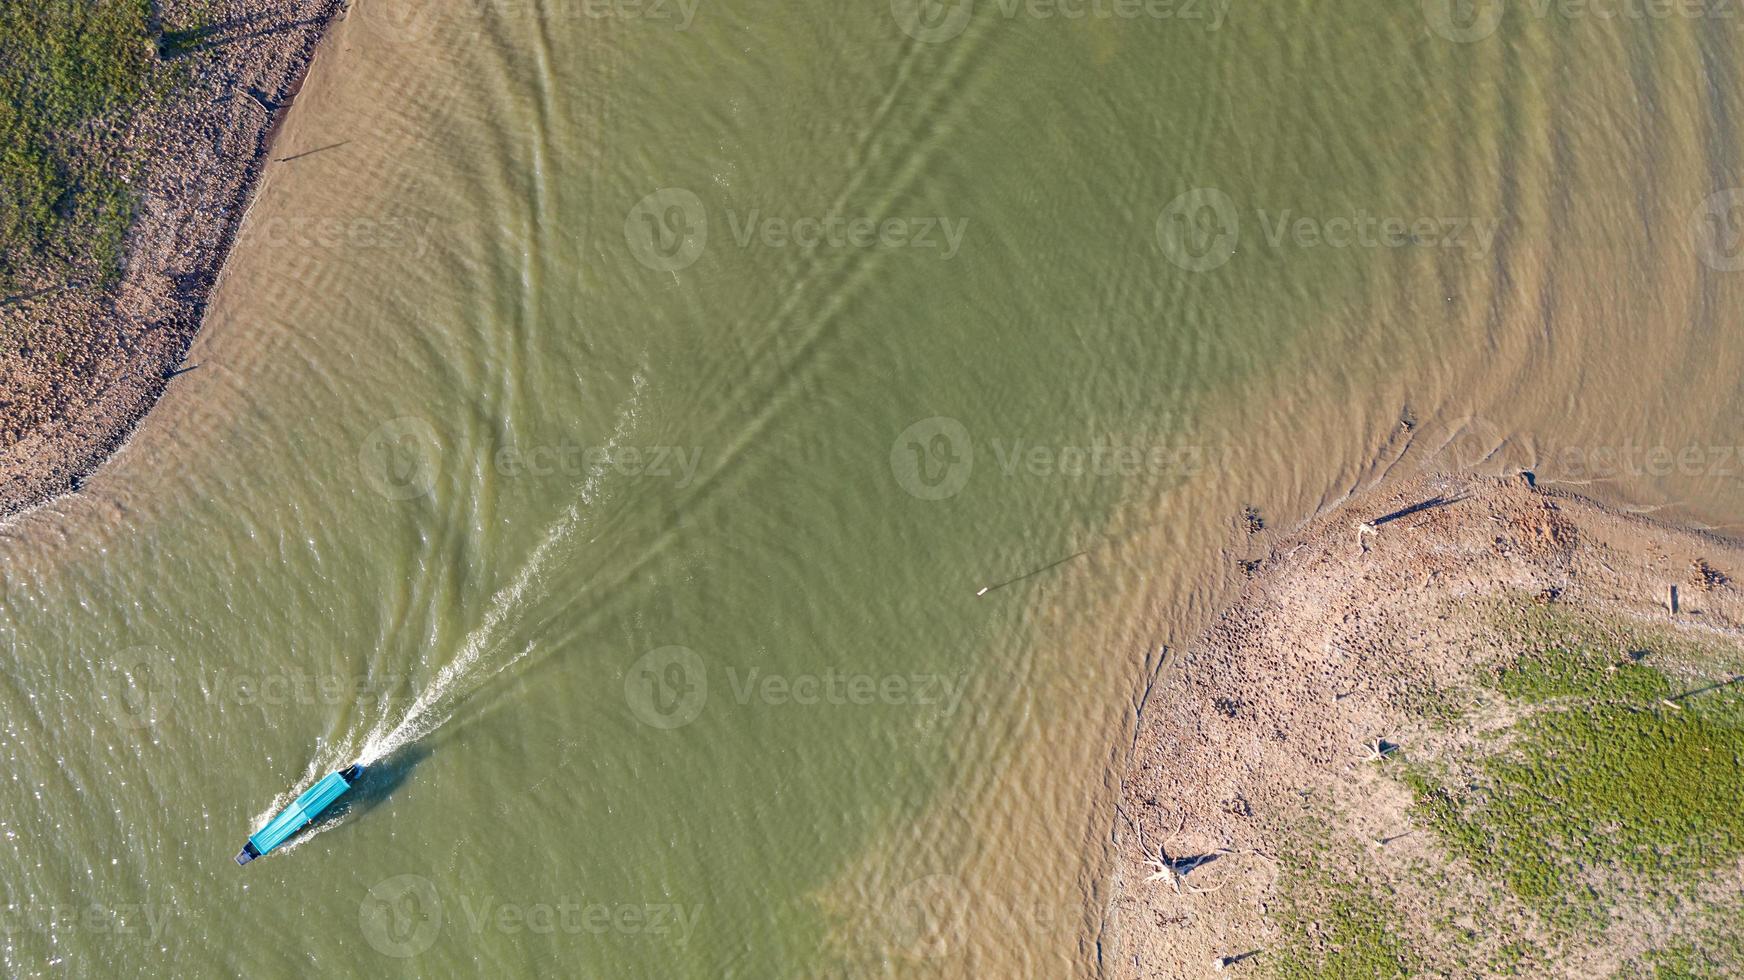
(1335, 926)
(1442, 708)
(1558, 672)
(1552, 650)
(1679, 962)
(1602, 778)
(64, 63)
(1712, 949)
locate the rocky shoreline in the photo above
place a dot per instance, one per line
(1357, 770)
(93, 359)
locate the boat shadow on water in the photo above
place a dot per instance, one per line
(379, 781)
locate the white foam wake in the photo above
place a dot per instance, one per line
(471, 667)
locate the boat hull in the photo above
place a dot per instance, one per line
(304, 809)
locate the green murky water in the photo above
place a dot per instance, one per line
(611, 441)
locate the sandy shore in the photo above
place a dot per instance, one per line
(1259, 743)
(97, 358)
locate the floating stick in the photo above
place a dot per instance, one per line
(1000, 585)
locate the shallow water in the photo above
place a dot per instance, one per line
(611, 441)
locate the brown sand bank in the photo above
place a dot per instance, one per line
(1305, 770)
(95, 358)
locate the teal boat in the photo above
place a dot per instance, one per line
(302, 810)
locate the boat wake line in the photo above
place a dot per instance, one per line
(474, 664)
